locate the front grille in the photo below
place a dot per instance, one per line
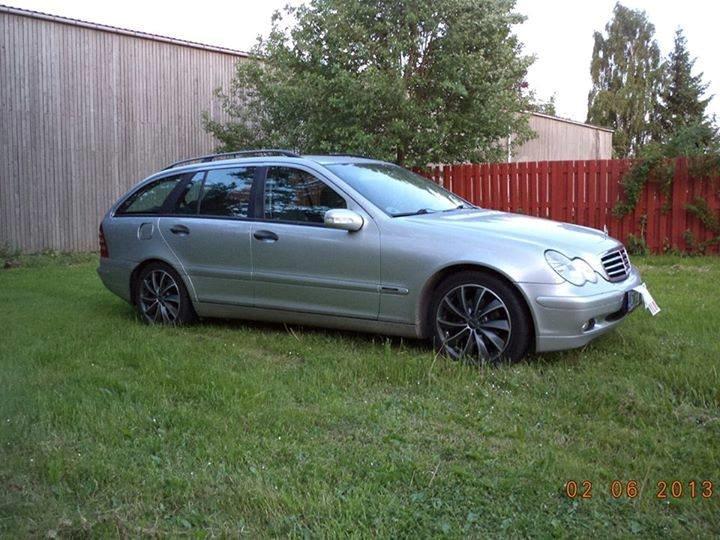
(616, 264)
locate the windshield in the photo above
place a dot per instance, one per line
(397, 191)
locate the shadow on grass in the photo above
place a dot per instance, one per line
(124, 312)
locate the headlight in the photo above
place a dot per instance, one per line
(587, 271)
(575, 271)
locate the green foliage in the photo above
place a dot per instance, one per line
(681, 101)
(14, 258)
(653, 166)
(8, 255)
(541, 105)
(699, 143)
(414, 82)
(699, 207)
(636, 245)
(113, 429)
(625, 71)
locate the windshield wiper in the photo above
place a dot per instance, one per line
(416, 213)
(460, 207)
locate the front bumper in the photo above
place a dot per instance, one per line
(562, 312)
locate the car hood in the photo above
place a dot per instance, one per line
(572, 240)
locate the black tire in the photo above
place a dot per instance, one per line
(495, 326)
(159, 280)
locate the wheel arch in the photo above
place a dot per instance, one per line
(139, 268)
(425, 300)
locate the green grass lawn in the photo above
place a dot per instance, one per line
(110, 427)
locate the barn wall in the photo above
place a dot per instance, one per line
(559, 139)
(86, 113)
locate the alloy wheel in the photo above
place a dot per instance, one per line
(160, 298)
(473, 323)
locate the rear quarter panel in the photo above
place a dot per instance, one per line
(131, 241)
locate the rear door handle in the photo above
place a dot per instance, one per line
(265, 236)
(179, 229)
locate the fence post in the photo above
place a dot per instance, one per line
(651, 226)
(556, 191)
(679, 199)
(614, 176)
(504, 188)
(513, 187)
(459, 180)
(591, 195)
(522, 198)
(484, 186)
(543, 189)
(490, 193)
(532, 189)
(477, 193)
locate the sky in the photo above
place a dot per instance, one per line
(559, 33)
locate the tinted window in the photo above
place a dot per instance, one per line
(149, 199)
(189, 199)
(396, 190)
(227, 192)
(295, 195)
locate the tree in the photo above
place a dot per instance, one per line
(681, 99)
(415, 82)
(625, 71)
(543, 106)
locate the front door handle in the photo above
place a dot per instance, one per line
(180, 229)
(265, 236)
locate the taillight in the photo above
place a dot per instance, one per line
(103, 244)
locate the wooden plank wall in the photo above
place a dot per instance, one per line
(558, 139)
(84, 115)
(585, 193)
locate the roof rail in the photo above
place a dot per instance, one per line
(226, 155)
(345, 154)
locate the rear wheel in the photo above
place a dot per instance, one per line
(479, 319)
(161, 296)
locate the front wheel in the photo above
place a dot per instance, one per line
(161, 296)
(479, 319)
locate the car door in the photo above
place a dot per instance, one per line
(134, 222)
(302, 265)
(209, 232)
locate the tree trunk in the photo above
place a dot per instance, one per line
(400, 155)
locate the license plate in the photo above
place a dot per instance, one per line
(645, 297)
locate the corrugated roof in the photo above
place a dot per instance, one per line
(116, 30)
(568, 121)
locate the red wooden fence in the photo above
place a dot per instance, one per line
(585, 192)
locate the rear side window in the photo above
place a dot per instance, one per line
(226, 192)
(188, 201)
(149, 199)
(295, 195)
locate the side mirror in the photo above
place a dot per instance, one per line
(341, 218)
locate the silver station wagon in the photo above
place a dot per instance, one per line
(348, 242)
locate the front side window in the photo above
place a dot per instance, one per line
(395, 190)
(226, 192)
(295, 195)
(149, 199)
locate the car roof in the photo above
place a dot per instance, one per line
(331, 159)
(328, 159)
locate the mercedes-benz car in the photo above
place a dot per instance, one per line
(355, 243)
